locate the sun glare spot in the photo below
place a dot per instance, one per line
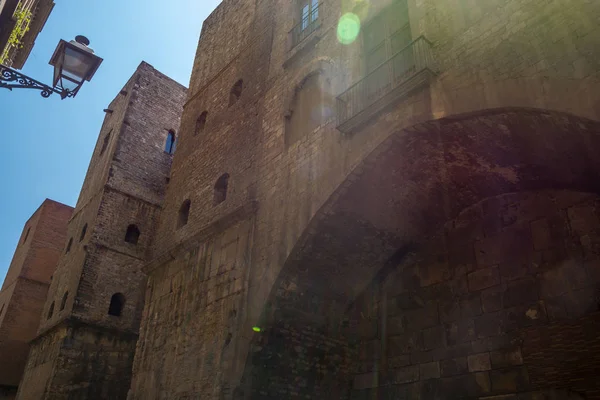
(348, 28)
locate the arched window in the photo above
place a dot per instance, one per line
(221, 189)
(83, 232)
(69, 244)
(117, 301)
(132, 235)
(63, 303)
(51, 311)
(105, 143)
(311, 106)
(184, 213)
(171, 143)
(26, 234)
(201, 123)
(236, 92)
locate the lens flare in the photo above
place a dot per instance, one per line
(348, 28)
(256, 329)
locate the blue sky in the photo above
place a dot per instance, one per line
(47, 143)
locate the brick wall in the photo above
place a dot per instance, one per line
(26, 284)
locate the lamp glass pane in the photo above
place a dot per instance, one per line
(77, 64)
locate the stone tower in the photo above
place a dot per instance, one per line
(25, 288)
(86, 341)
(382, 199)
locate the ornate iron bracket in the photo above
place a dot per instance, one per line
(9, 79)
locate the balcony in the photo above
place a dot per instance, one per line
(408, 70)
(307, 25)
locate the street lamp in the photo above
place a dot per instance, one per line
(74, 63)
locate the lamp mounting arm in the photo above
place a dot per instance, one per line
(10, 79)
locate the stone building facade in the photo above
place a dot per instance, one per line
(382, 199)
(86, 340)
(25, 286)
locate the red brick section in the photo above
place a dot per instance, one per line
(24, 291)
(565, 355)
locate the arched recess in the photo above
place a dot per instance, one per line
(322, 65)
(394, 202)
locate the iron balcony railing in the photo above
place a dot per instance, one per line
(307, 25)
(407, 70)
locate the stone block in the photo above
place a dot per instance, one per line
(470, 305)
(479, 362)
(507, 245)
(492, 298)
(405, 343)
(409, 301)
(520, 292)
(366, 381)
(466, 386)
(434, 337)
(419, 357)
(459, 350)
(395, 325)
(526, 315)
(490, 324)
(460, 331)
(422, 318)
(583, 219)
(510, 379)
(515, 269)
(404, 375)
(449, 311)
(540, 232)
(429, 370)
(454, 366)
(506, 358)
(370, 350)
(399, 361)
(483, 278)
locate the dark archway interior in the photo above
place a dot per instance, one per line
(459, 249)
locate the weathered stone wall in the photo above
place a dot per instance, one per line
(182, 354)
(504, 299)
(82, 351)
(536, 54)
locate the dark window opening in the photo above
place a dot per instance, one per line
(63, 303)
(105, 142)
(132, 235)
(171, 143)
(201, 123)
(117, 301)
(51, 311)
(236, 92)
(83, 232)
(221, 189)
(69, 244)
(184, 213)
(26, 234)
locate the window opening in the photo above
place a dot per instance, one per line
(117, 301)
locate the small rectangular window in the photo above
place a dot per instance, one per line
(305, 16)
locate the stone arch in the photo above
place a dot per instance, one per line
(389, 205)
